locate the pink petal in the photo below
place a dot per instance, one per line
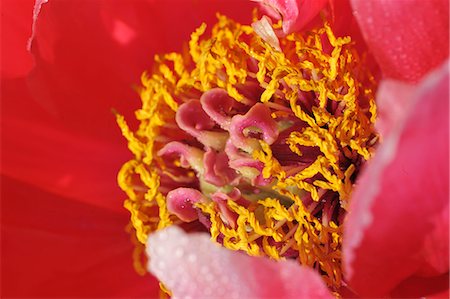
(400, 194)
(190, 265)
(294, 13)
(392, 98)
(436, 246)
(408, 38)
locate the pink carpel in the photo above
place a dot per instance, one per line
(258, 120)
(294, 13)
(217, 170)
(180, 202)
(192, 118)
(189, 156)
(218, 104)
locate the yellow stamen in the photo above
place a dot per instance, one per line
(270, 227)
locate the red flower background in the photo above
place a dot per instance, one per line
(62, 221)
(63, 225)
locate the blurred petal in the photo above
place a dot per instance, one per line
(392, 98)
(440, 295)
(56, 247)
(400, 195)
(436, 246)
(60, 162)
(192, 265)
(408, 38)
(75, 147)
(16, 20)
(80, 75)
(428, 287)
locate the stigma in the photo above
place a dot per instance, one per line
(256, 137)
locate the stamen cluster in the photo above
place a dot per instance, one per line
(260, 144)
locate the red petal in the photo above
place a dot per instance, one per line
(408, 38)
(53, 247)
(16, 20)
(400, 194)
(191, 265)
(90, 54)
(416, 286)
(441, 295)
(61, 162)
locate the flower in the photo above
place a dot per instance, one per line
(78, 77)
(63, 224)
(245, 140)
(227, 167)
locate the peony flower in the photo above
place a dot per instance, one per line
(62, 151)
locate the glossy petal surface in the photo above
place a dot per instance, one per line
(190, 265)
(400, 196)
(407, 38)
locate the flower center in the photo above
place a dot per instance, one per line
(259, 139)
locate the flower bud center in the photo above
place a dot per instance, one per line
(260, 141)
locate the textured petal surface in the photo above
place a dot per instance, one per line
(399, 196)
(192, 266)
(55, 247)
(408, 38)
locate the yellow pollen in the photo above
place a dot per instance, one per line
(318, 63)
